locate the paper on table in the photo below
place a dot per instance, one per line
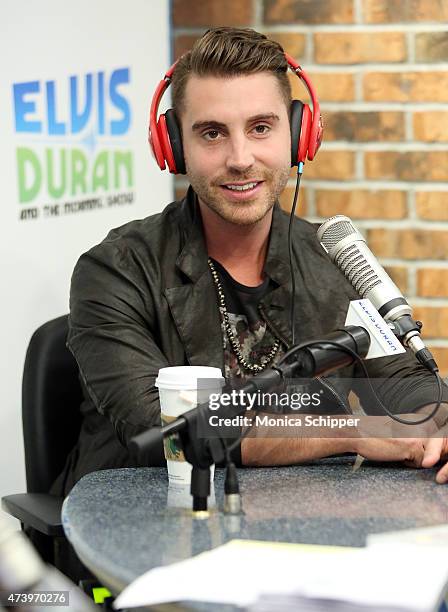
(436, 535)
(227, 574)
(239, 572)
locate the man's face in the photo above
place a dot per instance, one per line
(237, 144)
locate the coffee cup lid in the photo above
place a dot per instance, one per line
(186, 377)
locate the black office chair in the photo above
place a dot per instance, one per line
(51, 397)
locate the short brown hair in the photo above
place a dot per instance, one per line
(229, 52)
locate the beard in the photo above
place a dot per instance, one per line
(247, 212)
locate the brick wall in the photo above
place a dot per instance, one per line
(380, 68)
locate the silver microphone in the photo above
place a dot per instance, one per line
(348, 249)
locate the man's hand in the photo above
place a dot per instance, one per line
(414, 452)
(435, 450)
(388, 440)
(409, 450)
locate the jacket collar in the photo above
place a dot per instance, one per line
(185, 301)
(192, 259)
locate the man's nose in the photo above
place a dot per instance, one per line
(240, 155)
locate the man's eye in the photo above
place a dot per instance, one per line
(211, 135)
(261, 129)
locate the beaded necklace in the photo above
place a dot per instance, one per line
(234, 343)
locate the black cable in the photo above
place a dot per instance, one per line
(231, 486)
(238, 440)
(291, 220)
(359, 360)
(356, 357)
(229, 448)
(245, 433)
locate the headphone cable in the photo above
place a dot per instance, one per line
(293, 279)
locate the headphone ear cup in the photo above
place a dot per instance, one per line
(154, 143)
(296, 128)
(175, 136)
(305, 132)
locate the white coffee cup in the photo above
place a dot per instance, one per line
(179, 496)
(181, 388)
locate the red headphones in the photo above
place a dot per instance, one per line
(165, 137)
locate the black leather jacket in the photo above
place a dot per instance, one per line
(144, 298)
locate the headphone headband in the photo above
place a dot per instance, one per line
(317, 128)
(309, 134)
(153, 138)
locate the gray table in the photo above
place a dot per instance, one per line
(124, 522)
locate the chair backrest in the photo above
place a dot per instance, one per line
(51, 397)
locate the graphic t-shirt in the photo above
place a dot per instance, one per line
(247, 323)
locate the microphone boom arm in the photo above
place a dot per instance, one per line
(307, 360)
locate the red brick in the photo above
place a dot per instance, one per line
(292, 42)
(324, 85)
(364, 126)
(359, 47)
(361, 203)
(432, 282)
(409, 243)
(183, 43)
(286, 199)
(331, 165)
(431, 46)
(208, 13)
(406, 86)
(431, 126)
(402, 11)
(432, 205)
(434, 319)
(441, 357)
(399, 275)
(308, 11)
(410, 166)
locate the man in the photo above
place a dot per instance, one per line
(207, 281)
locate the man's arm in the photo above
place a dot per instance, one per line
(401, 383)
(404, 385)
(288, 451)
(113, 336)
(261, 449)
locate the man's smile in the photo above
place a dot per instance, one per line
(241, 190)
